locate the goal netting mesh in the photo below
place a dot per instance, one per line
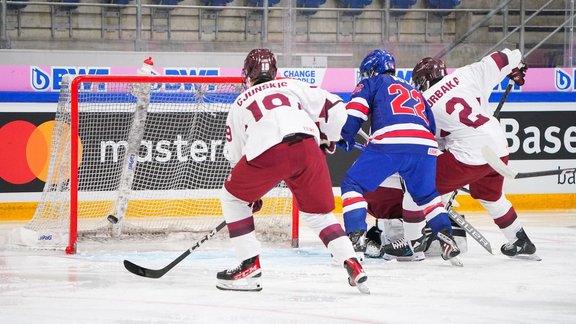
(147, 150)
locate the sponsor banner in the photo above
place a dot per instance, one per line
(540, 137)
(25, 150)
(46, 79)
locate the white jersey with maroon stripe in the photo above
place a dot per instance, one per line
(265, 113)
(464, 120)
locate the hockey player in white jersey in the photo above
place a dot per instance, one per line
(273, 133)
(465, 123)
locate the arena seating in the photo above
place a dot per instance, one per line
(120, 2)
(400, 4)
(71, 4)
(354, 4)
(217, 3)
(309, 4)
(168, 3)
(443, 4)
(16, 6)
(260, 3)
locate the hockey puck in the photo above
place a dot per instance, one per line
(112, 219)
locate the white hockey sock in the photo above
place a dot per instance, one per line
(341, 247)
(236, 210)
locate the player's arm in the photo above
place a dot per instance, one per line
(332, 116)
(357, 110)
(495, 67)
(326, 109)
(234, 137)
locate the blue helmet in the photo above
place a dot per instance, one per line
(377, 62)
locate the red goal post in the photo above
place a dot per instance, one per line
(148, 151)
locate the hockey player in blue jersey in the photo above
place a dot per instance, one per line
(402, 141)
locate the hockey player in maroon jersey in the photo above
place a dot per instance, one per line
(273, 133)
(465, 123)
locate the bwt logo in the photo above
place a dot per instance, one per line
(563, 80)
(51, 81)
(189, 72)
(163, 150)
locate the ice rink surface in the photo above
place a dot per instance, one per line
(300, 285)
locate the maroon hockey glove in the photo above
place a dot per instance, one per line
(327, 147)
(257, 205)
(517, 75)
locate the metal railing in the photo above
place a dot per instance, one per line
(388, 17)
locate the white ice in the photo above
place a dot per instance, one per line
(300, 285)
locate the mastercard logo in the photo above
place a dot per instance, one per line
(25, 151)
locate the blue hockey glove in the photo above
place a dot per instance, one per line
(346, 146)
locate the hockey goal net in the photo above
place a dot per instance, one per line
(147, 150)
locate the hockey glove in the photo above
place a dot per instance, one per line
(257, 205)
(346, 146)
(327, 146)
(517, 75)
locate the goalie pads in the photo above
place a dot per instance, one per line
(391, 230)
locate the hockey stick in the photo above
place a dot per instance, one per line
(502, 100)
(500, 167)
(151, 273)
(470, 229)
(476, 235)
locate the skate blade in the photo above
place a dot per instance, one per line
(418, 256)
(239, 285)
(455, 261)
(363, 288)
(529, 257)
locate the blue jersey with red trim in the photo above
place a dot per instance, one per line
(401, 120)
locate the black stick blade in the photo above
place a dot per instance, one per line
(143, 272)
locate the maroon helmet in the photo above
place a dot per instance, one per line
(427, 72)
(259, 66)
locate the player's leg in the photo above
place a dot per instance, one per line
(421, 184)
(364, 175)
(452, 174)
(248, 182)
(385, 204)
(488, 191)
(311, 186)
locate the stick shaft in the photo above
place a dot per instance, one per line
(151, 273)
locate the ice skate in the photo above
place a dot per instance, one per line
(356, 276)
(450, 250)
(358, 239)
(244, 277)
(522, 248)
(402, 251)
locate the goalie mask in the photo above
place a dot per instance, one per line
(259, 67)
(376, 63)
(427, 72)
